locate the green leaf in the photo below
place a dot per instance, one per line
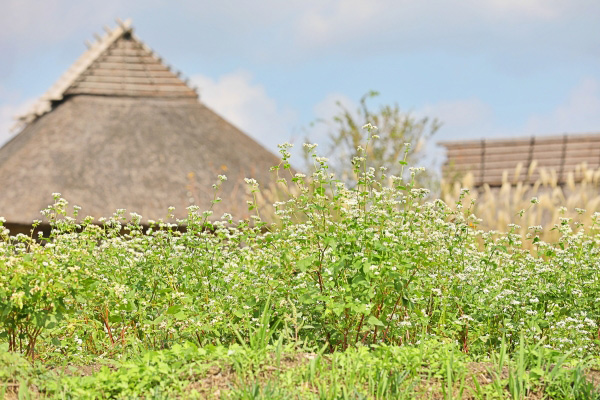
(174, 309)
(543, 324)
(307, 299)
(180, 316)
(331, 242)
(536, 372)
(126, 306)
(338, 310)
(374, 321)
(303, 264)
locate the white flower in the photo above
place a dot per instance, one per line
(17, 298)
(369, 127)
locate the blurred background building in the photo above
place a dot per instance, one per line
(122, 130)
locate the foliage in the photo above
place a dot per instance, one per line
(402, 136)
(342, 272)
(371, 264)
(433, 369)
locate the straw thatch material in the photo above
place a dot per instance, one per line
(128, 133)
(489, 160)
(128, 68)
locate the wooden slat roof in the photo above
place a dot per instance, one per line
(488, 159)
(118, 64)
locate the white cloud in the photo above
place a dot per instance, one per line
(537, 9)
(299, 30)
(325, 111)
(365, 27)
(328, 20)
(327, 108)
(475, 119)
(460, 117)
(247, 105)
(36, 23)
(579, 113)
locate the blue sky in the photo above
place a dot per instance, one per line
(485, 68)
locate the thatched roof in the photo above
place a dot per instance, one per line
(120, 130)
(489, 159)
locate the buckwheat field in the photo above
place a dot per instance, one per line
(366, 292)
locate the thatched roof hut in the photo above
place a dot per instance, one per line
(490, 159)
(121, 130)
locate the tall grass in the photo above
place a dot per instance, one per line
(509, 207)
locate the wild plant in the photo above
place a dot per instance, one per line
(341, 267)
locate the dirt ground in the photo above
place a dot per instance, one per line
(217, 380)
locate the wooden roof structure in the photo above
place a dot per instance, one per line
(120, 129)
(488, 159)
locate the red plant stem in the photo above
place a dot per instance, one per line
(377, 313)
(320, 279)
(345, 345)
(123, 335)
(362, 318)
(466, 339)
(390, 317)
(33, 335)
(12, 340)
(329, 341)
(112, 340)
(365, 336)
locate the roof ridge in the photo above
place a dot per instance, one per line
(84, 77)
(57, 90)
(524, 138)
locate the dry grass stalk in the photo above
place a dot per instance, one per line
(578, 199)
